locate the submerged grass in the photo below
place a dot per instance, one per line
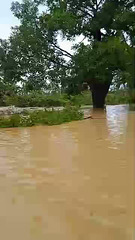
(41, 118)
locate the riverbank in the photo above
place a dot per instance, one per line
(10, 110)
(30, 116)
(27, 117)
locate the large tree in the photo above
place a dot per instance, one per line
(107, 25)
(30, 57)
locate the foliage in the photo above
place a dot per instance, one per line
(29, 57)
(8, 71)
(112, 58)
(81, 99)
(113, 98)
(118, 97)
(41, 118)
(33, 58)
(37, 99)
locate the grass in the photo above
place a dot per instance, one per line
(41, 118)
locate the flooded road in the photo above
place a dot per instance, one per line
(69, 182)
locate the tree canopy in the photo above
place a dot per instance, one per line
(32, 55)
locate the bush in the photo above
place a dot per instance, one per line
(41, 118)
(82, 99)
(113, 98)
(118, 97)
(36, 100)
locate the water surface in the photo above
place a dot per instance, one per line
(69, 182)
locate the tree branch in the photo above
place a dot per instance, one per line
(99, 3)
(82, 40)
(62, 50)
(56, 62)
(91, 6)
(96, 4)
(85, 12)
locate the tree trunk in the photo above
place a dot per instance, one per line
(99, 92)
(99, 89)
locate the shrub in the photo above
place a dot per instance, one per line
(36, 100)
(82, 99)
(41, 118)
(118, 97)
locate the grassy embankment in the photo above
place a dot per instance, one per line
(41, 118)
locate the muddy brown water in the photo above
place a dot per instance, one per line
(69, 182)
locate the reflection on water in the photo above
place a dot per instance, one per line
(117, 123)
(117, 119)
(71, 182)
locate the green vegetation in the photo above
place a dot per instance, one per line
(71, 111)
(113, 98)
(33, 58)
(37, 99)
(41, 118)
(119, 97)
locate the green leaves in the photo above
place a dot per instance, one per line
(33, 58)
(103, 59)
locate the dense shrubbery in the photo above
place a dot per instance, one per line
(82, 99)
(37, 99)
(41, 118)
(118, 97)
(113, 98)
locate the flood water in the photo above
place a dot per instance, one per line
(69, 182)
